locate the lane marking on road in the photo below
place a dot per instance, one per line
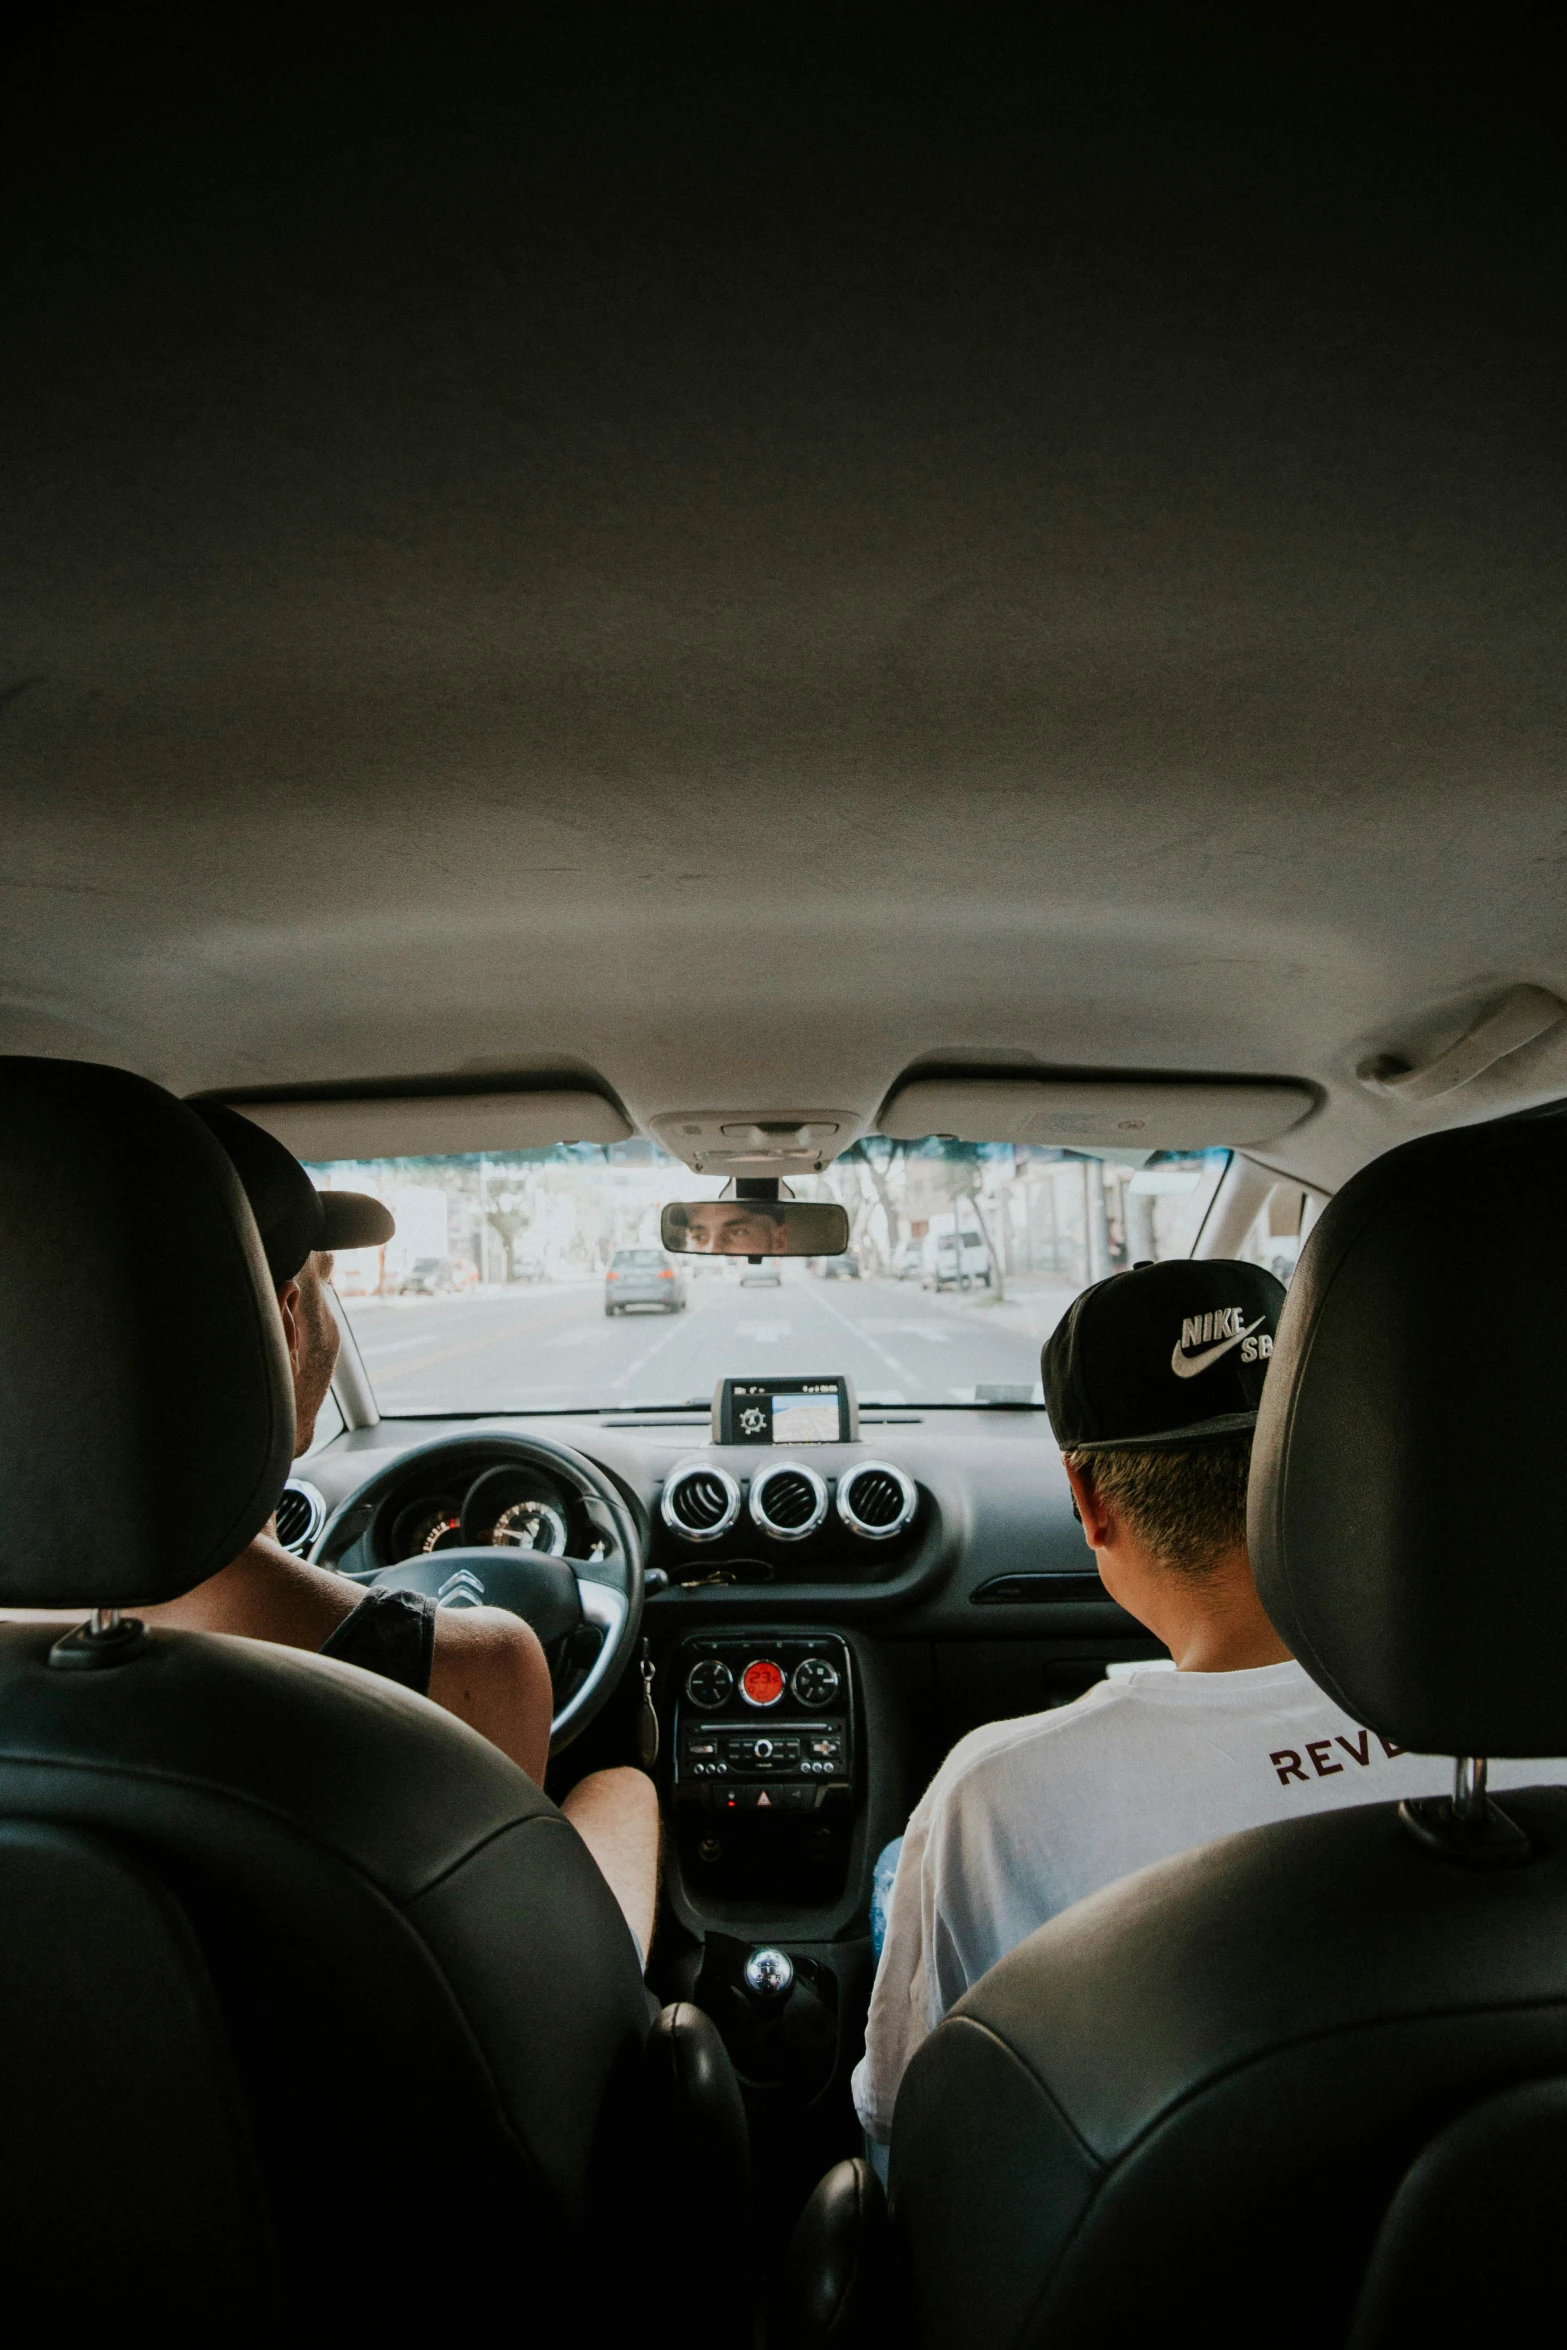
(874, 1344)
(763, 1333)
(513, 1330)
(449, 1354)
(907, 1330)
(635, 1368)
(542, 1328)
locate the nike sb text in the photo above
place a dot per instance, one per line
(1214, 1334)
(1202, 1329)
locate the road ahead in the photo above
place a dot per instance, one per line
(554, 1345)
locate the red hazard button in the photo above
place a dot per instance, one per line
(762, 1683)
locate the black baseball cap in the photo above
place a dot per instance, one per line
(293, 1218)
(1162, 1357)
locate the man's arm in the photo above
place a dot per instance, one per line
(489, 1669)
(899, 2013)
(923, 1970)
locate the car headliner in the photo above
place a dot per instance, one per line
(740, 583)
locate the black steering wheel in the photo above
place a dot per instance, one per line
(586, 1611)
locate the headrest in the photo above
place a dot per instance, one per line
(1406, 1518)
(146, 1404)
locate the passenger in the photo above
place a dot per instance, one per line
(484, 1665)
(1152, 1382)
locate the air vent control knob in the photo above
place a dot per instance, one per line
(710, 1683)
(815, 1681)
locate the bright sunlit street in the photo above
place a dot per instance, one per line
(961, 1259)
(553, 1344)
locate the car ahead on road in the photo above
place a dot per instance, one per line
(438, 1277)
(959, 1261)
(844, 1268)
(643, 1277)
(766, 1275)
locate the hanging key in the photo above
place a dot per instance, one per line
(647, 1719)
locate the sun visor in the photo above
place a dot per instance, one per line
(433, 1125)
(1086, 1113)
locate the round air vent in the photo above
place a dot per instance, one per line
(301, 1514)
(877, 1501)
(710, 1683)
(788, 1501)
(816, 1681)
(700, 1502)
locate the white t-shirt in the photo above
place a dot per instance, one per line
(1026, 1817)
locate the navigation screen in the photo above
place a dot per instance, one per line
(784, 1411)
(803, 1418)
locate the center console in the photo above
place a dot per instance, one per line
(765, 1765)
(781, 1750)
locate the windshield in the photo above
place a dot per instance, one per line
(534, 1282)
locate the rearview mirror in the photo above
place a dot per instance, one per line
(754, 1228)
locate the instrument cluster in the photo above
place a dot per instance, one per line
(511, 1507)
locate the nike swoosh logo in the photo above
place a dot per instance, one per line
(1188, 1366)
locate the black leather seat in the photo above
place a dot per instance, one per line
(1258, 2089)
(318, 2016)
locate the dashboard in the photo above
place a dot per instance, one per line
(957, 1523)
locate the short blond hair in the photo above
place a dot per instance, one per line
(1189, 1507)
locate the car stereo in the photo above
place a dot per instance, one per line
(785, 1411)
(764, 1723)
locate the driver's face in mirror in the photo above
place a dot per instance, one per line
(735, 1228)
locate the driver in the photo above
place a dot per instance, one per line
(484, 1665)
(736, 1228)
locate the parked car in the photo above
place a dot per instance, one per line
(909, 1263)
(643, 1277)
(356, 1272)
(438, 1277)
(1283, 1256)
(844, 1268)
(956, 1261)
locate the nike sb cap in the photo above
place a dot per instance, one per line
(1161, 1357)
(293, 1218)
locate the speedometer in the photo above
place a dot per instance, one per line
(531, 1525)
(426, 1526)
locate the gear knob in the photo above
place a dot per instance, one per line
(769, 1972)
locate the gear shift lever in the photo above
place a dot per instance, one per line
(769, 1972)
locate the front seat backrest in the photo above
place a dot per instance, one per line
(1405, 1507)
(394, 2013)
(1201, 2089)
